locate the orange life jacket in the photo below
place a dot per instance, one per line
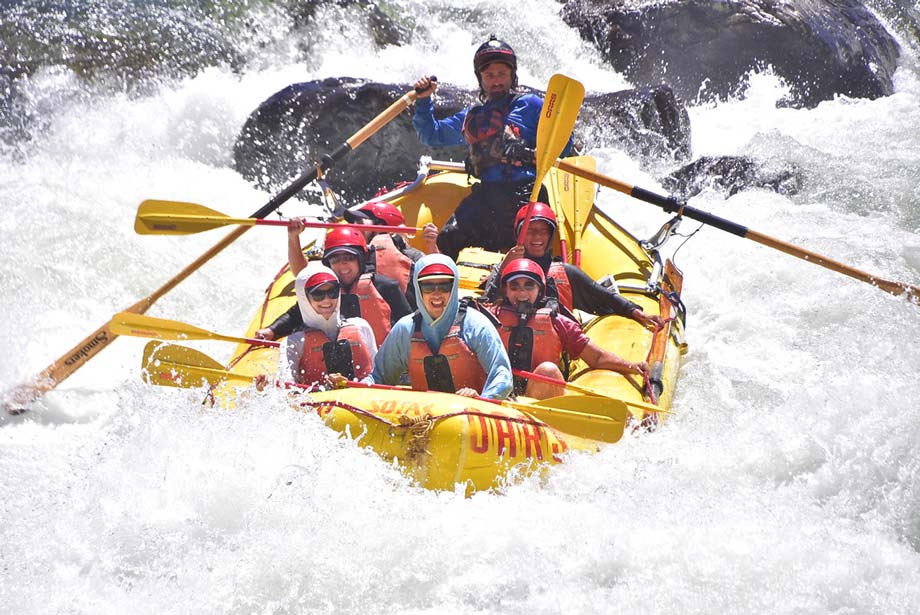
(372, 307)
(545, 344)
(563, 286)
(465, 369)
(313, 366)
(390, 261)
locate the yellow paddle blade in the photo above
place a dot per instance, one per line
(156, 217)
(180, 366)
(561, 105)
(590, 426)
(138, 325)
(584, 193)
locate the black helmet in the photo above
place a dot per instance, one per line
(494, 50)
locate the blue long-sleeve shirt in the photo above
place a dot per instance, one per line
(524, 114)
(477, 332)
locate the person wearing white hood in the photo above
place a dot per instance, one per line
(327, 344)
(444, 346)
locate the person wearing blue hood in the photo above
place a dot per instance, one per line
(444, 346)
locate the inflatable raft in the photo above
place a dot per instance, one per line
(443, 440)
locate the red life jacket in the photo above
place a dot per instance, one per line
(563, 286)
(546, 344)
(372, 307)
(484, 131)
(465, 369)
(390, 261)
(313, 367)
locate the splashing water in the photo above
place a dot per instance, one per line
(787, 482)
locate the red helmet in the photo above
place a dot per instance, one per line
(345, 240)
(526, 268)
(539, 211)
(387, 213)
(494, 50)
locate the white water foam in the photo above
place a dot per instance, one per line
(786, 482)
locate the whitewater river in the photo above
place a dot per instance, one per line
(788, 480)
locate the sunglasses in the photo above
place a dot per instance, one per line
(341, 257)
(522, 285)
(318, 294)
(429, 287)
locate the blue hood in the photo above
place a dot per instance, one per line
(435, 330)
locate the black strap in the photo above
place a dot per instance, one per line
(351, 306)
(338, 358)
(438, 375)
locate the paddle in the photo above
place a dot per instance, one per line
(178, 366)
(671, 205)
(584, 201)
(642, 407)
(557, 120)
(86, 349)
(561, 199)
(138, 325)
(177, 218)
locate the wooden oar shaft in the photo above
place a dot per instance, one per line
(672, 205)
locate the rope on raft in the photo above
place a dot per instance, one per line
(419, 428)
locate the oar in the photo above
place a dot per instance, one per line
(85, 350)
(584, 201)
(671, 205)
(557, 120)
(639, 405)
(138, 325)
(180, 366)
(586, 417)
(156, 217)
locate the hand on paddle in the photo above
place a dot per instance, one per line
(430, 238)
(514, 253)
(425, 87)
(261, 381)
(336, 381)
(264, 334)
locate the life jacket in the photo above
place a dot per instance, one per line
(371, 306)
(348, 355)
(389, 261)
(487, 132)
(562, 285)
(530, 342)
(453, 368)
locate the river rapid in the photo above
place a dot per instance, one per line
(788, 480)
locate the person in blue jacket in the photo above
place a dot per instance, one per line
(444, 346)
(501, 134)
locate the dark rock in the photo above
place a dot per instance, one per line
(706, 48)
(649, 123)
(731, 174)
(296, 126)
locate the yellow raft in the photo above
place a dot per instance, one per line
(443, 440)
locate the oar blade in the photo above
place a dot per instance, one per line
(179, 366)
(561, 105)
(155, 217)
(138, 325)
